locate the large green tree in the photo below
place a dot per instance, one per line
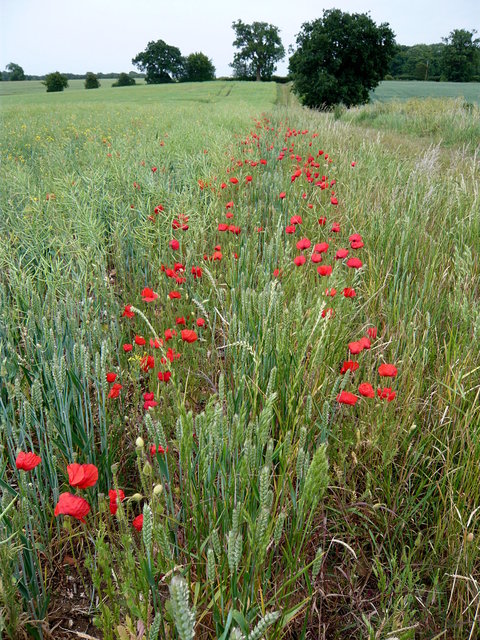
(198, 68)
(260, 48)
(461, 56)
(15, 71)
(340, 58)
(161, 62)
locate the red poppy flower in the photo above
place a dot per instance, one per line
(234, 180)
(174, 295)
(321, 247)
(365, 342)
(282, 195)
(114, 391)
(324, 270)
(147, 362)
(299, 260)
(138, 522)
(354, 263)
(290, 229)
(296, 220)
(349, 365)
(128, 313)
(316, 258)
(171, 355)
(180, 320)
(82, 475)
(335, 227)
(148, 404)
(115, 497)
(322, 221)
(348, 292)
(304, 243)
(148, 295)
(276, 273)
(154, 450)
(356, 241)
(331, 292)
(358, 244)
(140, 340)
(372, 332)
(333, 200)
(174, 244)
(341, 254)
(26, 461)
(328, 312)
(386, 394)
(200, 322)
(355, 237)
(345, 397)
(387, 370)
(156, 344)
(197, 272)
(127, 347)
(111, 377)
(188, 335)
(355, 347)
(366, 390)
(70, 505)
(154, 169)
(164, 376)
(229, 205)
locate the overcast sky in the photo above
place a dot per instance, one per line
(104, 35)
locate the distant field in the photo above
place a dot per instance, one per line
(391, 90)
(36, 86)
(186, 93)
(403, 90)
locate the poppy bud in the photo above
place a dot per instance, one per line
(139, 443)
(147, 469)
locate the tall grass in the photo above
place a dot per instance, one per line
(276, 511)
(445, 122)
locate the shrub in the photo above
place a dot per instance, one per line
(124, 80)
(55, 82)
(91, 81)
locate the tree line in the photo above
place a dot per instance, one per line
(339, 58)
(456, 59)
